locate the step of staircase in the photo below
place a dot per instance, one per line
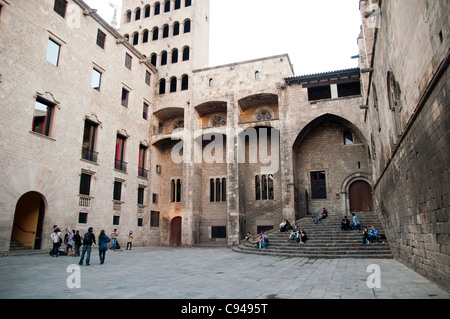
(325, 240)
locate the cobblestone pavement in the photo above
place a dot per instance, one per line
(205, 273)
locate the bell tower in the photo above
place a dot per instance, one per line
(174, 34)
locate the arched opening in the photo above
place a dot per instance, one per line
(28, 222)
(175, 232)
(326, 152)
(360, 195)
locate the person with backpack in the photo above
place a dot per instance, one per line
(88, 240)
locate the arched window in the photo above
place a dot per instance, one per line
(187, 26)
(136, 38)
(257, 75)
(348, 138)
(173, 84)
(184, 83)
(165, 31)
(257, 188)
(153, 59)
(211, 83)
(176, 28)
(177, 4)
(162, 86)
(264, 187)
(128, 16)
(127, 37)
(147, 11)
(188, 3)
(211, 190)
(145, 36)
(155, 33)
(186, 53)
(270, 187)
(174, 56)
(164, 58)
(167, 6)
(137, 15)
(178, 190)
(218, 192)
(224, 189)
(172, 191)
(157, 8)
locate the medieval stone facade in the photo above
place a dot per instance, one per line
(132, 129)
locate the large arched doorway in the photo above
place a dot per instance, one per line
(175, 232)
(28, 222)
(361, 199)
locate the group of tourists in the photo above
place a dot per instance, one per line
(368, 236)
(299, 235)
(73, 242)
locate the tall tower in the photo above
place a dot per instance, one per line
(174, 34)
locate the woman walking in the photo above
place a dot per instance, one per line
(102, 246)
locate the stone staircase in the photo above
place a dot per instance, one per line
(325, 240)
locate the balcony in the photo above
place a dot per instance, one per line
(142, 172)
(120, 165)
(89, 155)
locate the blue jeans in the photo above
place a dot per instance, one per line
(113, 244)
(86, 248)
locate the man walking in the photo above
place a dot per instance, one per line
(88, 240)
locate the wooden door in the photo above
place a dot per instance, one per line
(361, 199)
(175, 232)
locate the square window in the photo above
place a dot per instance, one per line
(145, 112)
(117, 191)
(53, 50)
(96, 79)
(42, 117)
(128, 60)
(318, 185)
(218, 232)
(140, 222)
(101, 37)
(116, 220)
(141, 193)
(155, 198)
(60, 7)
(82, 218)
(85, 184)
(125, 96)
(154, 219)
(147, 78)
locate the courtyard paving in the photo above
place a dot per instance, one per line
(206, 273)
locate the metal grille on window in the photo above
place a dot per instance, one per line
(219, 121)
(178, 125)
(264, 116)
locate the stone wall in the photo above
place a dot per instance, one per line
(408, 116)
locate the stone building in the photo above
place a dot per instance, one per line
(132, 129)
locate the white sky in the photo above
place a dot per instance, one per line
(319, 36)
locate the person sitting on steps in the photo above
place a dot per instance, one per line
(323, 215)
(295, 234)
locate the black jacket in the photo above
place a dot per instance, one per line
(88, 239)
